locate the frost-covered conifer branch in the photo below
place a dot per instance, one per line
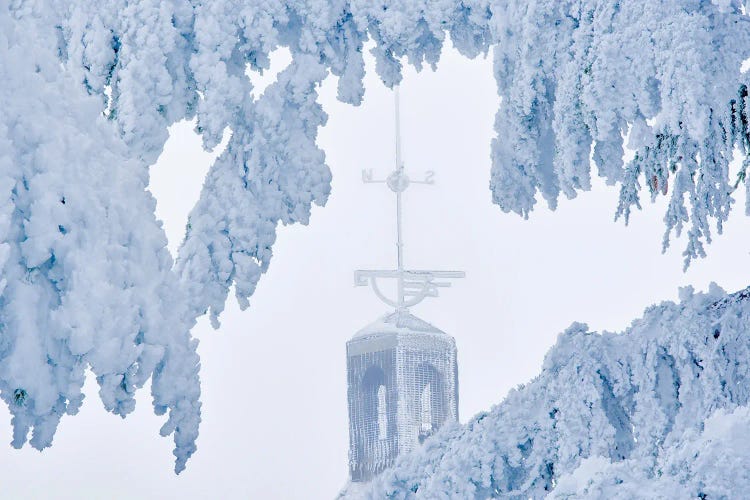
(87, 281)
(90, 89)
(581, 75)
(658, 411)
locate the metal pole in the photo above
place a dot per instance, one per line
(400, 170)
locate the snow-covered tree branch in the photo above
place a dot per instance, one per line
(658, 411)
(90, 88)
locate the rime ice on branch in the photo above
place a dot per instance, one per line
(89, 89)
(658, 411)
(87, 281)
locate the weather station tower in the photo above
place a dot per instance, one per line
(402, 374)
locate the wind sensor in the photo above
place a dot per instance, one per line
(412, 286)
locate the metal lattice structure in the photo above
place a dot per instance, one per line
(416, 365)
(402, 371)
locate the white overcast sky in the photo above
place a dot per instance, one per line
(273, 377)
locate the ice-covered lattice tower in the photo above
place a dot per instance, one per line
(402, 371)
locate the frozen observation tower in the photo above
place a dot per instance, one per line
(402, 371)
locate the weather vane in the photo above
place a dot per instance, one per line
(413, 286)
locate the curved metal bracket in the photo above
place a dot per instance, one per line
(413, 286)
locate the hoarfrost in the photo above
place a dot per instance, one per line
(90, 89)
(659, 411)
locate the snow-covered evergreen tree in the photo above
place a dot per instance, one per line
(659, 411)
(87, 281)
(90, 88)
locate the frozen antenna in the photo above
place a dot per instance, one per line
(413, 286)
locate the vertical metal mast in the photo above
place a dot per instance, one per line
(400, 170)
(413, 286)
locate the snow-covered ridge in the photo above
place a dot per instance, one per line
(658, 411)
